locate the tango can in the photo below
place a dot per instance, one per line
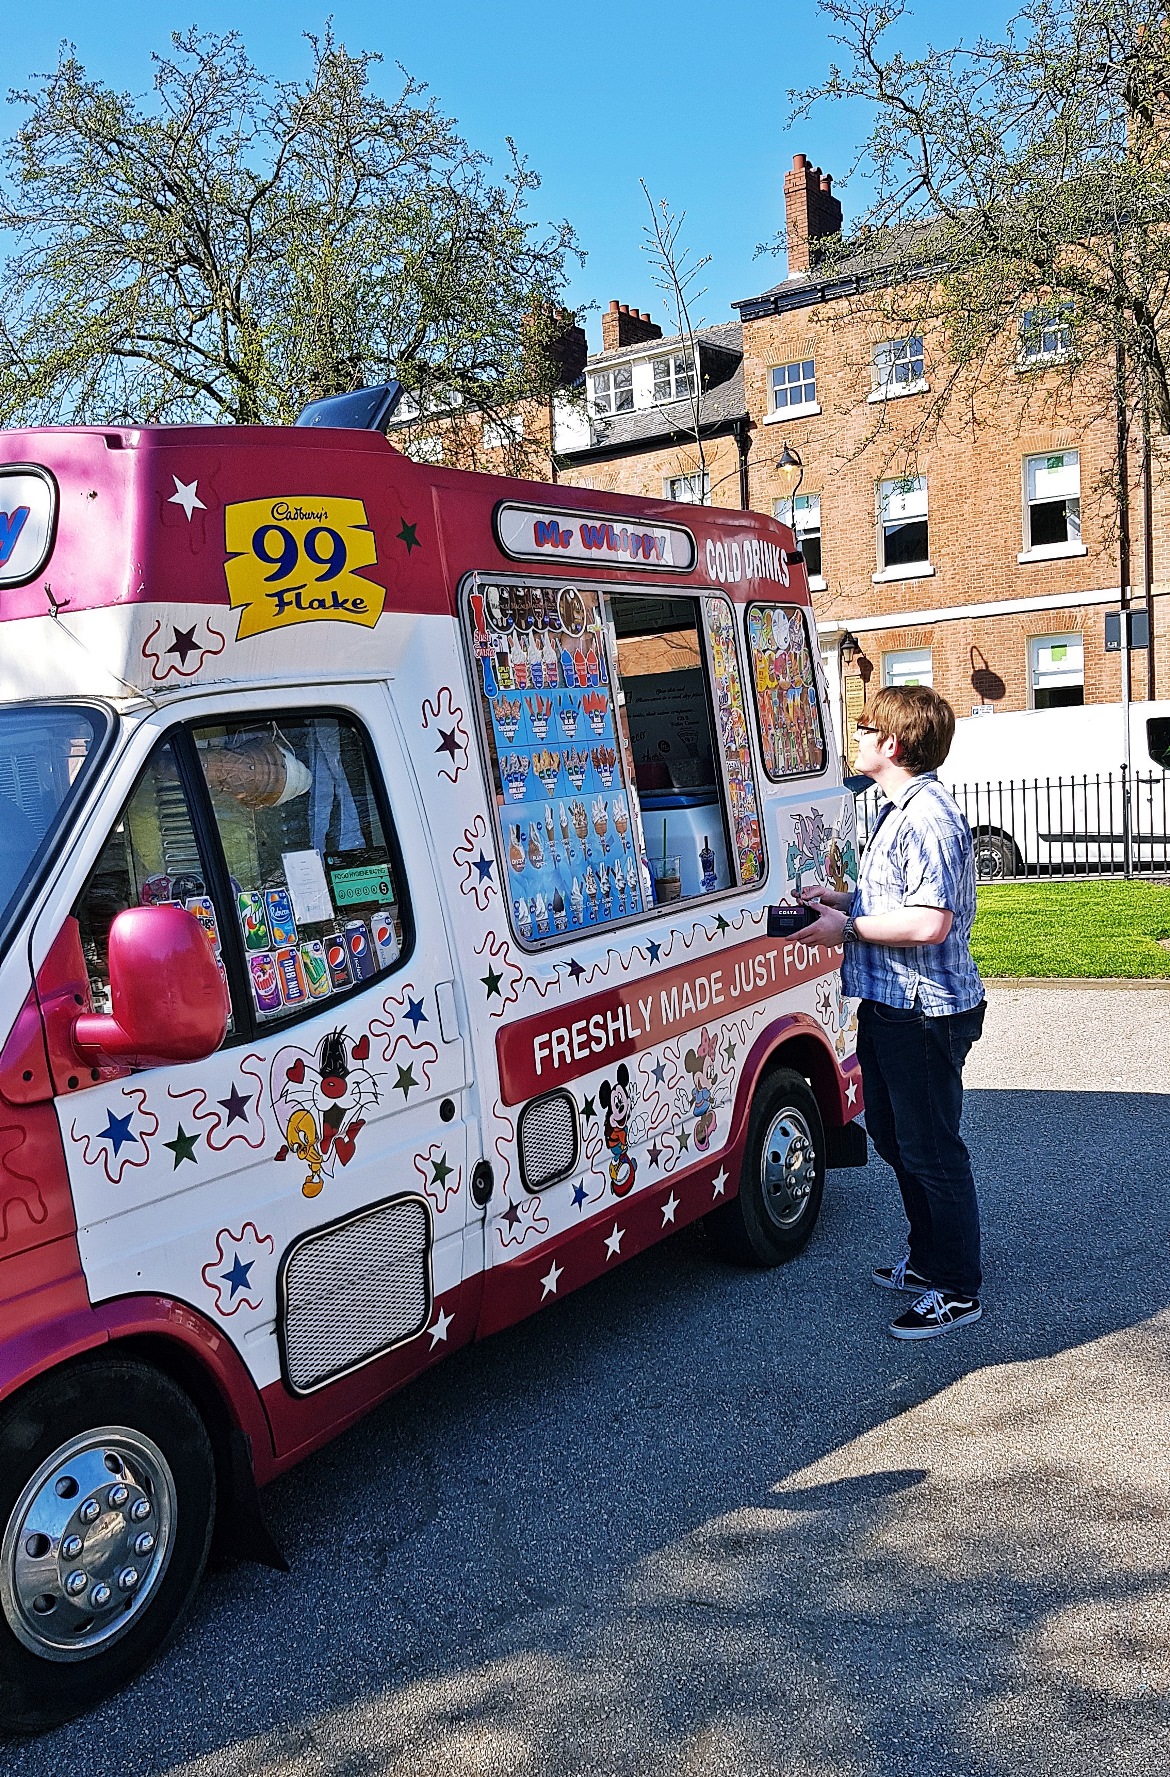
(265, 982)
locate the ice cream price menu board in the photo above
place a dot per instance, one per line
(786, 690)
(739, 769)
(570, 824)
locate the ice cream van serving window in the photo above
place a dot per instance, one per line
(792, 733)
(615, 730)
(299, 898)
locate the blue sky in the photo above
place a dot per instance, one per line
(691, 97)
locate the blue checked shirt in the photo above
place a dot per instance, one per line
(919, 855)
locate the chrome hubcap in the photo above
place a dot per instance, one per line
(87, 1543)
(789, 1167)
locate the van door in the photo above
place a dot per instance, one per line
(305, 1187)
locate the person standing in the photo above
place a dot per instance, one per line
(906, 930)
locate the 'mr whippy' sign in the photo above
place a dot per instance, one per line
(557, 1045)
(538, 533)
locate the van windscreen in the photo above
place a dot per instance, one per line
(46, 751)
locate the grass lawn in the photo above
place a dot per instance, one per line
(1080, 929)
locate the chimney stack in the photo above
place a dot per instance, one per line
(811, 213)
(623, 326)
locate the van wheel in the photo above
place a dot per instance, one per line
(782, 1179)
(996, 855)
(107, 1497)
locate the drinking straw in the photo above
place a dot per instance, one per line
(664, 845)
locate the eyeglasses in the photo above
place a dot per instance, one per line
(864, 728)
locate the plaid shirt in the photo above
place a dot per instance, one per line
(919, 855)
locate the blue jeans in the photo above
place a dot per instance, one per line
(912, 1071)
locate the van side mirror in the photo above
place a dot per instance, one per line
(169, 999)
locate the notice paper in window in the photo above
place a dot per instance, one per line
(304, 872)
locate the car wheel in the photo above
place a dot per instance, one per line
(996, 855)
(782, 1179)
(107, 1500)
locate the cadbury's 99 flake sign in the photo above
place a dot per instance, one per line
(296, 561)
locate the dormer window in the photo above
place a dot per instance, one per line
(613, 390)
(673, 378)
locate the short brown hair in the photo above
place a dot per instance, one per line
(922, 723)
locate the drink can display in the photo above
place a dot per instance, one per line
(316, 968)
(359, 950)
(290, 975)
(281, 920)
(384, 931)
(337, 960)
(252, 921)
(201, 906)
(265, 982)
(154, 891)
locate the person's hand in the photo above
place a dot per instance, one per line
(831, 907)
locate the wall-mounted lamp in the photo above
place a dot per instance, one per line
(850, 649)
(790, 471)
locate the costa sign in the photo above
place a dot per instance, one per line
(552, 1047)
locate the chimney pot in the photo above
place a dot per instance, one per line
(624, 325)
(811, 212)
(613, 307)
(799, 161)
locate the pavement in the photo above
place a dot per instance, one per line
(698, 1521)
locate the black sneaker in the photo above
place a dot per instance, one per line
(935, 1313)
(901, 1276)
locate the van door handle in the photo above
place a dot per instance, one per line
(448, 1013)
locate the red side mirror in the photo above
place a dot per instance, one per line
(169, 998)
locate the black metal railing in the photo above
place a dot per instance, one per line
(1112, 825)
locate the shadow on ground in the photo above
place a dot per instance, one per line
(699, 1521)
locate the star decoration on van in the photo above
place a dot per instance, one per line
(613, 1243)
(240, 1274)
(669, 1208)
(851, 1092)
(578, 1195)
(684, 1138)
(186, 495)
(659, 1071)
(440, 1171)
(722, 924)
(718, 1182)
(589, 1110)
(183, 644)
(550, 1280)
(408, 535)
(183, 1147)
(441, 1328)
(575, 969)
(405, 1080)
(235, 1104)
(117, 1131)
(512, 1214)
(655, 950)
(492, 982)
(484, 866)
(729, 1050)
(655, 1155)
(448, 742)
(414, 1011)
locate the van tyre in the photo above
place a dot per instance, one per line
(996, 855)
(107, 1501)
(782, 1179)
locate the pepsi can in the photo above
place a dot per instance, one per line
(384, 932)
(337, 959)
(359, 950)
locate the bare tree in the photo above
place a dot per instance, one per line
(674, 273)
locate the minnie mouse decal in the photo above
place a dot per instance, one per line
(320, 1100)
(703, 1067)
(618, 1101)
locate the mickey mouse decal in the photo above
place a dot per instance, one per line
(320, 1102)
(618, 1101)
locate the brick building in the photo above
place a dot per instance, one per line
(980, 555)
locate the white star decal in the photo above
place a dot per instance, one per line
(186, 495)
(613, 1242)
(668, 1209)
(551, 1279)
(851, 1092)
(719, 1181)
(439, 1330)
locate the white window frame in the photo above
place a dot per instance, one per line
(900, 663)
(501, 434)
(603, 389)
(697, 486)
(904, 492)
(804, 523)
(1056, 464)
(888, 356)
(794, 410)
(1049, 341)
(1058, 675)
(680, 377)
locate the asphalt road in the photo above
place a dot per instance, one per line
(697, 1521)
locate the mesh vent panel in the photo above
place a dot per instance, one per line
(355, 1290)
(547, 1139)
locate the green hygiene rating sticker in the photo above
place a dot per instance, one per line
(368, 882)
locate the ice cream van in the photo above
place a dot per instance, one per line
(393, 865)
